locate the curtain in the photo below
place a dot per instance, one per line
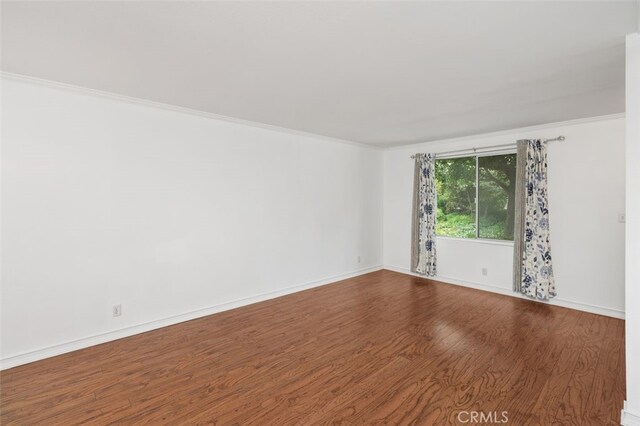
(533, 270)
(423, 244)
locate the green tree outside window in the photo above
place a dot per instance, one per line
(456, 182)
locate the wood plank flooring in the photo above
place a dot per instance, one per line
(380, 348)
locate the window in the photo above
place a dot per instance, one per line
(476, 196)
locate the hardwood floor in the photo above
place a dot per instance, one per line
(380, 348)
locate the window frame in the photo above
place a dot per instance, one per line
(477, 155)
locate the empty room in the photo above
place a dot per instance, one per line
(320, 212)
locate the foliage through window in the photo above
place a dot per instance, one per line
(494, 199)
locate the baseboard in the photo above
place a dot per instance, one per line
(594, 309)
(628, 418)
(39, 354)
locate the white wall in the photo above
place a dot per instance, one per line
(106, 202)
(586, 191)
(631, 414)
(175, 216)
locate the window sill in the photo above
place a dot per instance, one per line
(478, 241)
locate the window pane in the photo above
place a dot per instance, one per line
(456, 189)
(496, 196)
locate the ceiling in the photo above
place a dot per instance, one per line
(381, 73)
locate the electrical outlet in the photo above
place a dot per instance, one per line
(622, 218)
(117, 310)
(484, 271)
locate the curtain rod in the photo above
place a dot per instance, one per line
(489, 148)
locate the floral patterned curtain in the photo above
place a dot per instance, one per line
(423, 244)
(533, 271)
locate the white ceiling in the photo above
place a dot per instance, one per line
(383, 73)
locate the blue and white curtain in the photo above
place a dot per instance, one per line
(423, 244)
(533, 270)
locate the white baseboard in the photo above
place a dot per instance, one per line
(627, 418)
(594, 309)
(36, 355)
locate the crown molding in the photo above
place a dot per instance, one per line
(537, 127)
(219, 117)
(176, 108)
